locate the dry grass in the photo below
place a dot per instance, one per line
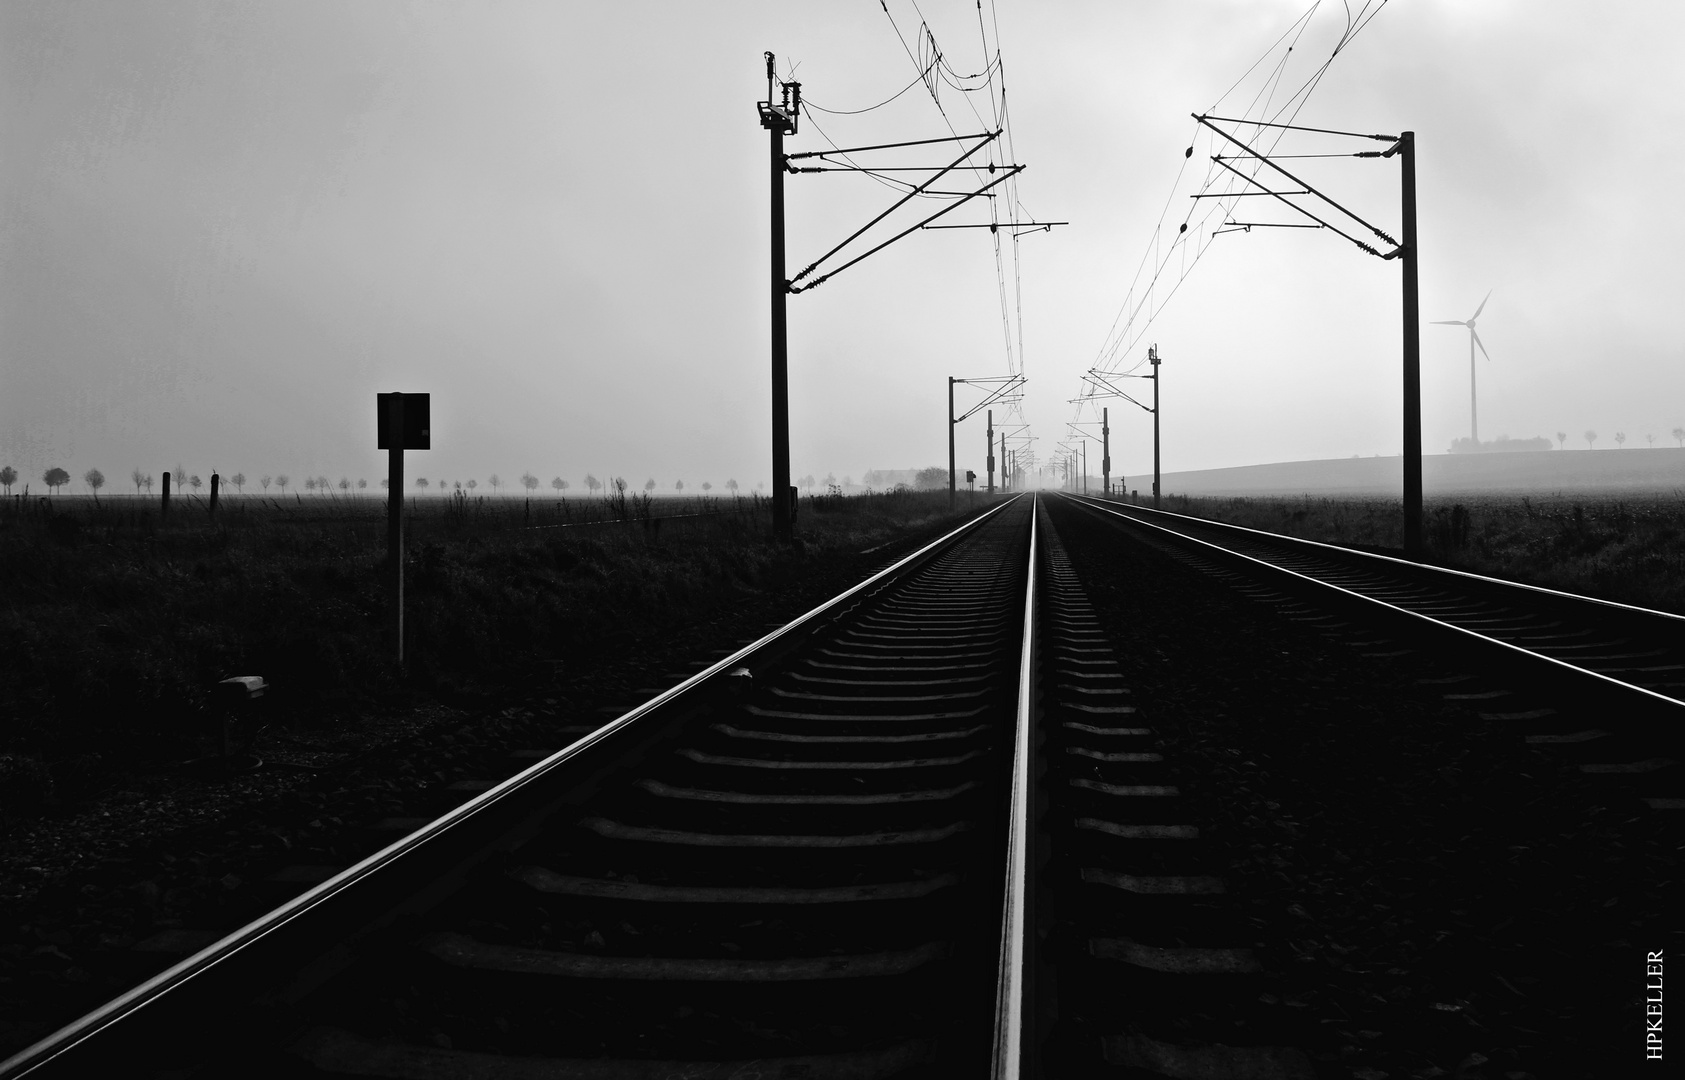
(1626, 549)
(115, 623)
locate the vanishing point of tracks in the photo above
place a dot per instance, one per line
(925, 830)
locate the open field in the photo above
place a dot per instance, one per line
(1590, 473)
(1625, 548)
(117, 623)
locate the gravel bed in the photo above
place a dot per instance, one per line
(1442, 899)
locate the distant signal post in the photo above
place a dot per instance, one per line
(402, 422)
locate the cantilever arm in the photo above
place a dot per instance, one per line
(1010, 172)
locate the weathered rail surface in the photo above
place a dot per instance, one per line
(792, 864)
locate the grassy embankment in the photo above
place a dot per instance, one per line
(1627, 549)
(116, 623)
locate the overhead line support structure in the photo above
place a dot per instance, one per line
(1003, 385)
(779, 119)
(1101, 380)
(779, 115)
(1405, 249)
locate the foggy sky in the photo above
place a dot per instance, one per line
(227, 227)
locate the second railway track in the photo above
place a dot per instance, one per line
(952, 823)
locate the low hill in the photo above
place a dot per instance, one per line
(1661, 470)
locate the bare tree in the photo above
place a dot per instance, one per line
(322, 484)
(1561, 440)
(95, 480)
(848, 481)
(495, 481)
(239, 482)
(386, 481)
(265, 481)
(731, 486)
(149, 483)
(309, 483)
(345, 484)
(194, 482)
(529, 481)
(362, 485)
(8, 477)
(592, 483)
(807, 482)
(421, 483)
(1620, 438)
(1651, 439)
(472, 484)
(282, 481)
(55, 478)
(1591, 437)
(678, 485)
(1678, 434)
(138, 478)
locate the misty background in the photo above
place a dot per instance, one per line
(227, 227)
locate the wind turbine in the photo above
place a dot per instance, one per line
(1474, 339)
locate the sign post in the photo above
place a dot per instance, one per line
(403, 422)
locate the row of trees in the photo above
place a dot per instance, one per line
(1678, 434)
(56, 478)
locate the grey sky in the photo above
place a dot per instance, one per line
(226, 227)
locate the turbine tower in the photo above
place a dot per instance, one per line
(1474, 339)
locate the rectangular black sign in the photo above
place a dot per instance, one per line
(417, 422)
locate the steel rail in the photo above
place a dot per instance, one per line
(1406, 564)
(1515, 651)
(50, 1049)
(1012, 977)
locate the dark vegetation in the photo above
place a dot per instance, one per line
(117, 622)
(1631, 549)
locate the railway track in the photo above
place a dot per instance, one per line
(1600, 682)
(927, 830)
(792, 864)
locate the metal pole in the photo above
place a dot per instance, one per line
(781, 517)
(1085, 466)
(991, 455)
(395, 511)
(1106, 451)
(1412, 356)
(951, 382)
(1153, 355)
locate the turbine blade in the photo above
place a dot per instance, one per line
(1477, 341)
(1482, 306)
(1448, 322)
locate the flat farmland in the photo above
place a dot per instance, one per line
(118, 622)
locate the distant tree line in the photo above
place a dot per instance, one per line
(56, 478)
